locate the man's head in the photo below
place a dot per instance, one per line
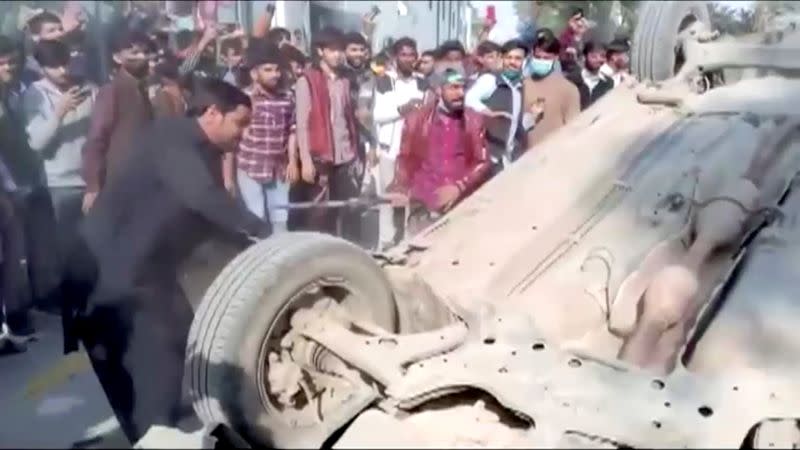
(355, 50)
(266, 64)
(132, 51)
(577, 21)
(545, 53)
(328, 46)
(231, 52)
(426, 62)
(9, 60)
(53, 57)
(514, 53)
(617, 54)
(451, 51)
(449, 82)
(405, 55)
(167, 70)
(45, 26)
(488, 53)
(296, 59)
(222, 110)
(279, 36)
(594, 56)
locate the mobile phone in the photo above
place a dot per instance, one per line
(270, 8)
(374, 11)
(490, 14)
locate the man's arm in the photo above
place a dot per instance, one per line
(97, 140)
(41, 123)
(195, 188)
(194, 54)
(481, 90)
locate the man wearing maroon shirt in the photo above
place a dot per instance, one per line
(443, 154)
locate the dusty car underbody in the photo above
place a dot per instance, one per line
(626, 284)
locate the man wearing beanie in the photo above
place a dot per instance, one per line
(267, 160)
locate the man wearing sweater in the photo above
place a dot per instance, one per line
(57, 113)
(560, 97)
(397, 93)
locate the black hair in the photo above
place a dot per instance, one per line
(183, 39)
(404, 41)
(576, 12)
(486, 47)
(36, 22)
(262, 51)
(450, 46)
(276, 35)
(8, 46)
(431, 53)
(620, 45)
(292, 53)
(169, 68)
(593, 46)
(129, 38)
(547, 41)
(329, 37)
(515, 44)
(51, 54)
(381, 58)
(234, 44)
(355, 38)
(210, 92)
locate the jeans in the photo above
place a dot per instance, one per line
(259, 196)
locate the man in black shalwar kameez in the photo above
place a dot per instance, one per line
(168, 197)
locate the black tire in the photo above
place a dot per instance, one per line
(653, 56)
(232, 322)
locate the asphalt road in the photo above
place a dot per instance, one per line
(48, 400)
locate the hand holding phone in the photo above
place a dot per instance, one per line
(373, 12)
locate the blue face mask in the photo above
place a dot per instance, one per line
(539, 67)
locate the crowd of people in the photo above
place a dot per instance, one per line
(108, 185)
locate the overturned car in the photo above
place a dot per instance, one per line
(628, 284)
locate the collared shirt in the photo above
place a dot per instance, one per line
(263, 152)
(445, 161)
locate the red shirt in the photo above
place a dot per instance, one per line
(445, 162)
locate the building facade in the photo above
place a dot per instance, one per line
(429, 22)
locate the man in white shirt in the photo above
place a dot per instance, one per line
(499, 98)
(616, 66)
(397, 93)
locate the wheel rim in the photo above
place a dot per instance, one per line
(303, 411)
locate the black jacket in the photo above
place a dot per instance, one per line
(166, 199)
(589, 97)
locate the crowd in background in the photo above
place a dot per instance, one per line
(420, 129)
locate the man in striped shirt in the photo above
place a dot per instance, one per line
(265, 162)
